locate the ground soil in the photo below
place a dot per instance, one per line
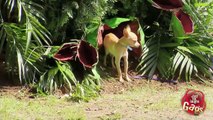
(108, 106)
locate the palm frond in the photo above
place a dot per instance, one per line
(188, 61)
(181, 62)
(155, 58)
(149, 58)
(23, 37)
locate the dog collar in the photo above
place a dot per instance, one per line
(129, 48)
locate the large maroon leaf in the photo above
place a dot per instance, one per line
(87, 54)
(66, 52)
(186, 21)
(168, 4)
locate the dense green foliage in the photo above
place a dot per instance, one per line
(31, 31)
(180, 57)
(23, 37)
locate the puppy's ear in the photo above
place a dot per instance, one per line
(126, 31)
(128, 28)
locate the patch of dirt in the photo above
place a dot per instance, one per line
(116, 87)
(9, 86)
(6, 84)
(111, 84)
(117, 104)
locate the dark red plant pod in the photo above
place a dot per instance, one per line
(87, 54)
(168, 4)
(186, 21)
(66, 52)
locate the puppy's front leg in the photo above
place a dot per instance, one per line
(117, 63)
(126, 67)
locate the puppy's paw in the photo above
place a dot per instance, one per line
(121, 80)
(128, 79)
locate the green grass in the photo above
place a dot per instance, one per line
(115, 116)
(166, 102)
(150, 101)
(161, 97)
(39, 109)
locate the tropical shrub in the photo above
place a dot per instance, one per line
(23, 37)
(28, 48)
(179, 56)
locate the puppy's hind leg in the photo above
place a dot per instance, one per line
(113, 62)
(105, 57)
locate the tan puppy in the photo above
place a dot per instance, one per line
(118, 48)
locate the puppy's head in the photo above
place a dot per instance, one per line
(131, 37)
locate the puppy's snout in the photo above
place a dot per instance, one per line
(137, 44)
